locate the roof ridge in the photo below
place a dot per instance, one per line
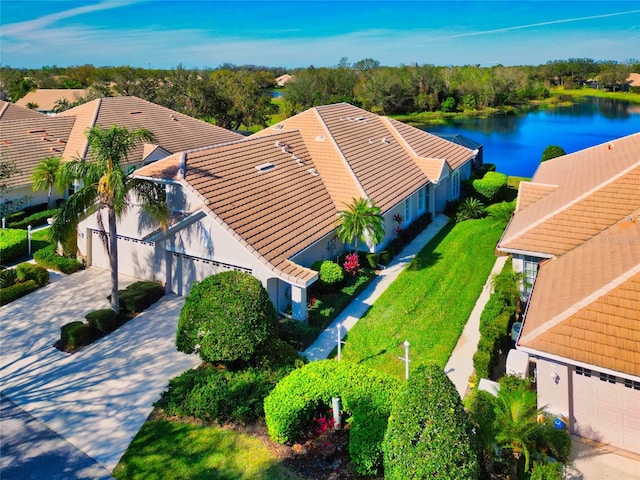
(354, 177)
(581, 305)
(571, 203)
(523, 185)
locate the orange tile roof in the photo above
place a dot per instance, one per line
(10, 111)
(173, 131)
(275, 212)
(27, 142)
(46, 98)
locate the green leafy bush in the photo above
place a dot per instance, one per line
(13, 245)
(546, 470)
(470, 208)
(385, 257)
(28, 271)
(48, 258)
(105, 320)
(35, 219)
(9, 294)
(490, 188)
(8, 277)
(429, 434)
(556, 442)
(373, 259)
(77, 334)
(331, 273)
(298, 334)
(228, 315)
(366, 395)
(552, 151)
(210, 393)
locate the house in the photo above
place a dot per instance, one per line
(10, 111)
(282, 80)
(268, 204)
(27, 141)
(576, 237)
(44, 100)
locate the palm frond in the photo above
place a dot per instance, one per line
(77, 206)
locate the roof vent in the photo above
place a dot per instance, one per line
(172, 117)
(37, 131)
(610, 146)
(319, 138)
(285, 148)
(279, 126)
(45, 139)
(135, 112)
(265, 167)
(279, 144)
(61, 140)
(54, 150)
(298, 161)
(361, 119)
(386, 141)
(313, 172)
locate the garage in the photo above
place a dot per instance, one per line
(186, 269)
(606, 409)
(135, 257)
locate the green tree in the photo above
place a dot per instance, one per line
(47, 175)
(228, 316)
(107, 189)
(552, 151)
(361, 220)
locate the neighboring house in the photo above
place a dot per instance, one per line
(46, 99)
(282, 80)
(268, 204)
(576, 236)
(10, 111)
(27, 142)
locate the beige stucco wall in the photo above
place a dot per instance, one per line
(554, 387)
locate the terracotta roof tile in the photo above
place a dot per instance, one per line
(10, 111)
(46, 98)
(27, 142)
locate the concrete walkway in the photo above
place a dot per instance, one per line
(98, 398)
(327, 341)
(460, 364)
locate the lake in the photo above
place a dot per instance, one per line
(515, 142)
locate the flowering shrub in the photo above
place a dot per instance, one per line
(321, 424)
(351, 263)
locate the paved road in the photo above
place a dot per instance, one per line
(98, 398)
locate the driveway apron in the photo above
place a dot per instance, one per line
(98, 398)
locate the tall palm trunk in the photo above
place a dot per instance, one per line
(49, 206)
(113, 259)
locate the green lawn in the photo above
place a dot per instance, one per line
(166, 450)
(591, 92)
(429, 303)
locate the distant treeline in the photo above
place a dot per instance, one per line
(235, 95)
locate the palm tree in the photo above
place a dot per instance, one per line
(46, 175)
(516, 424)
(361, 220)
(107, 189)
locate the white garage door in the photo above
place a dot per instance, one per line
(135, 257)
(186, 269)
(99, 257)
(606, 409)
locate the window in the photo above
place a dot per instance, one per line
(422, 199)
(530, 271)
(583, 371)
(631, 384)
(607, 378)
(407, 210)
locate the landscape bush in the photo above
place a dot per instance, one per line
(105, 320)
(48, 258)
(330, 273)
(9, 294)
(8, 277)
(28, 271)
(35, 219)
(217, 395)
(139, 296)
(228, 316)
(25, 212)
(488, 189)
(366, 396)
(430, 434)
(13, 245)
(546, 470)
(77, 334)
(296, 333)
(373, 259)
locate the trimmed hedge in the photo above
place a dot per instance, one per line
(209, 393)
(78, 334)
(9, 294)
(228, 315)
(430, 434)
(139, 296)
(48, 258)
(488, 189)
(25, 212)
(331, 273)
(35, 220)
(28, 271)
(13, 245)
(105, 320)
(366, 395)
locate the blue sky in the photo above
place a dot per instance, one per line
(297, 33)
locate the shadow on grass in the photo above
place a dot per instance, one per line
(428, 257)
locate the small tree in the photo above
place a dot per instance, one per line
(552, 151)
(361, 220)
(48, 174)
(227, 316)
(429, 433)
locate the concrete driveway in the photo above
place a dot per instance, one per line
(98, 398)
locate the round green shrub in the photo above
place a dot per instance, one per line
(366, 395)
(552, 151)
(429, 433)
(331, 273)
(228, 316)
(491, 187)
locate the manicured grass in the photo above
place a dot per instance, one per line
(172, 450)
(592, 92)
(514, 182)
(429, 303)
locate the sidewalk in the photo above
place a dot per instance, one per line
(460, 364)
(327, 341)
